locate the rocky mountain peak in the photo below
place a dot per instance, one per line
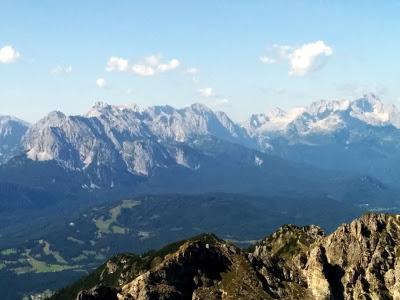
(12, 130)
(276, 120)
(54, 117)
(6, 118)
(367, 102)
(359, 260)
(100, 105)
(276, 112)
(371, 110)
(368, 226)
(200, 108)
(8, 124)
(323, 107)
(103, 109)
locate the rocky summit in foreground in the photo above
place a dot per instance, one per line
(360, 260)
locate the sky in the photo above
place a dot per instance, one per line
(241, 57)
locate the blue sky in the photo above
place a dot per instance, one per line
(59, 49)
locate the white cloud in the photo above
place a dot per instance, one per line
(308, 58)
(302, 60)
(117, 64)
(149, 66)
(153, 65)
(61, 69)
(101, 83)
(168, 66)
(206, 92)
(143, 70)
(8, 55)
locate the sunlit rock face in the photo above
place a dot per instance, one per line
(126, 136)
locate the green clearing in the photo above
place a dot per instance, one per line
(104, 224)
(74, 240)
(37, 266)
(49, 252)
(119, 230)
(30, 264)
(7, 252)
(43, 267)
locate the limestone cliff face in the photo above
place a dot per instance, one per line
(360, 260)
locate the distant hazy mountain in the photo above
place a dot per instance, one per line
(358, 136)
(324, 117)
(11, 132)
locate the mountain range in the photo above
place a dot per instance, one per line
(359, 136)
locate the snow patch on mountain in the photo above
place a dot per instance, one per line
(329, 124)
(324, 117)
(275, 120)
